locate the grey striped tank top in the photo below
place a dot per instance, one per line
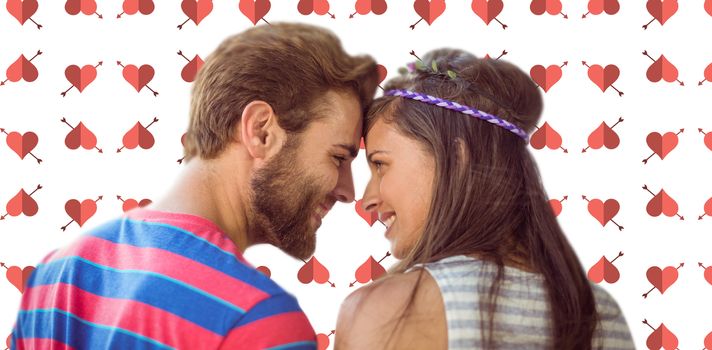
(521, 319)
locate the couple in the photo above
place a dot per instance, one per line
(276, 116)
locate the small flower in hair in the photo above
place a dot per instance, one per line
(409, 68)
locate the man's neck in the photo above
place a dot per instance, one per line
(200, 191)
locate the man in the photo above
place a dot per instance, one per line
(275, 121)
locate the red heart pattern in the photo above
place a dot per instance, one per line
(80, 212)
(306, 7)
(552, 7)
(19, 276)
(597, 7)
(364, 7)
(662, 279)
(80, 136)
(138, 77)
(603, 270)
(22, 10)
(254, 10)
(662, 69)
(603, 211)
(661, 10)
(22, 68)
(313, 271)
(22, 144)
(546, 136)
(603, 136)
(546, 77)
(191, 69)
(429, 10)
(603, 77)
(370, 218)
(370, 270)
(662, 338)
(197, 10)
(80, 78)
(22, 203)
(487, 9)
(138, 135)
(131, 7)
(662, 145)
(662, 203)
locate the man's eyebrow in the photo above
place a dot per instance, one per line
(374, 152)
(353, 150)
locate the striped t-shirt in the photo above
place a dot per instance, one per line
(521, 318)
(156, 280)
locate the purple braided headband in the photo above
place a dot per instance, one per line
(473, 112)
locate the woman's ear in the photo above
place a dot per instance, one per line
(462, 152)
(259, 131)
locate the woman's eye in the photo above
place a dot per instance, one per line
(378, 164)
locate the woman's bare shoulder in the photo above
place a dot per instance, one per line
(369, 316)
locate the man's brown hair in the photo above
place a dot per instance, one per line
(287, 65)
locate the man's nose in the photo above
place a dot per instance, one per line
(344, 191)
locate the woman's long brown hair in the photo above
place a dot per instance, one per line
(488, 197)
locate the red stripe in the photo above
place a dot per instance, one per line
(41, 344)
(271, 331)
(199, 226)
(144, 319)
(191, 272)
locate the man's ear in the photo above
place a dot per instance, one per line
(259, 131)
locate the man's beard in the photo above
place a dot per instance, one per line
(284, 200)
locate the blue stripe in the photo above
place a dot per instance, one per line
(81, 334)
(147, 287)
(150, 274)
(184, 243)
(300, 345)
(271, 306)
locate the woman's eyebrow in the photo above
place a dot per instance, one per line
(374, 152)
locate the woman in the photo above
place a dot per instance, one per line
(483, 261)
